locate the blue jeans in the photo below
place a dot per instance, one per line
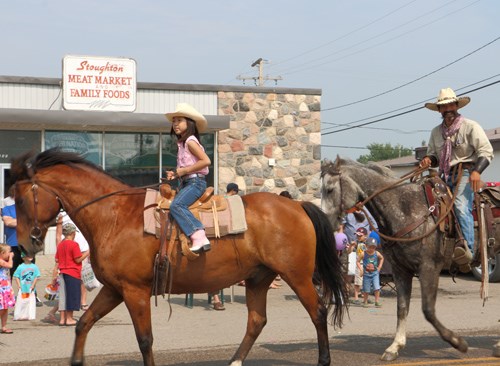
(371, 280)
(191, 190)
(463, 207)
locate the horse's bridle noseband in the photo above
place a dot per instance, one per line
(36, 231)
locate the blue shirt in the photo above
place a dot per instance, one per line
(27, 273)
(10, 232)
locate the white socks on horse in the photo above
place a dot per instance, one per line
(200, 241)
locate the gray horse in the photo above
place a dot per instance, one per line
(345, 183)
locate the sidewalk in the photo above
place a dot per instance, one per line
(203, 327)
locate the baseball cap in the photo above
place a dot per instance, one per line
(361, 231)
(374, 235)
(370, 242)
(232, 187)
(68, 229)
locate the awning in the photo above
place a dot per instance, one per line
(35, 119)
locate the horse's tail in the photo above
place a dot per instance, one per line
(328, 272)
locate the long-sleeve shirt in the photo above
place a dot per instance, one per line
(468, 144)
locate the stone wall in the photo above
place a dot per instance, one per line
(266, 126)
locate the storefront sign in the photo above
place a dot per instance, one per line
(99, 83)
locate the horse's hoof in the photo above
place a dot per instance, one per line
(389, 356)
(496, 350)
(462, 345)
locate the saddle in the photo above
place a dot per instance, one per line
(439, 199)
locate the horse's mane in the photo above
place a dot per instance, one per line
(23, 166)
(329, 167)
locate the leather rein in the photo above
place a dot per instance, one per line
(406, 230)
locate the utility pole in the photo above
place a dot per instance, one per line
(259, 80)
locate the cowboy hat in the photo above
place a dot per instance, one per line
(447, 96)
(186, 110)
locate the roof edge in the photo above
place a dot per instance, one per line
(173, 86)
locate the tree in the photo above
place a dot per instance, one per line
(386, 151)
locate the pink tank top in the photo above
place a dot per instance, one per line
(185, 158)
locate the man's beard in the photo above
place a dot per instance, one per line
(359, 216)
(449, 117)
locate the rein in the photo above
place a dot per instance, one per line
(414, 173)
(36, 231)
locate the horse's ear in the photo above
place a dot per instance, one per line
(336, 164)
(18, 166)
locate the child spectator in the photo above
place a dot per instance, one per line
(7, 299)
(361, 234)
(69, 259)
(27, 275)
(369, 265)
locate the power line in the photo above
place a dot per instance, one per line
(379, 128)
(403, 113)
(415, 80)
(289, 70)
(367, 148)
(344, 35)
(414, 104)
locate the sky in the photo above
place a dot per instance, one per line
(371, 59)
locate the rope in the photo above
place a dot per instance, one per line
(415, 172)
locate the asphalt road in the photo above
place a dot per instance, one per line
(204, 337)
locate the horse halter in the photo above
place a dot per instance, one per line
(36, 230)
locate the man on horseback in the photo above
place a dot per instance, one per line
(459, 141)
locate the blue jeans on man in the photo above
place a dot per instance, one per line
(191, 190)
(463, 207)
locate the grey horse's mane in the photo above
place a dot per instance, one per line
(329, 167)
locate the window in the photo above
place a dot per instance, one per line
(133, 157)
(15, 143)
(86, 144)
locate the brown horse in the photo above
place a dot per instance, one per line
(285, 237)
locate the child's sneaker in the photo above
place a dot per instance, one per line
(378, 305)
(370, 301)
(365, 304)
(356, 302)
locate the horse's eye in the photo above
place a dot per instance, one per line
(329, 190)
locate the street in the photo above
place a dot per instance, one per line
(202, 336)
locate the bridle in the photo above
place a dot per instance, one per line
(360, 206)
(36, 231)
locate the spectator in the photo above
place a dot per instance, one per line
(69, 259)
(232, 189)
(27, 275)
(84, 247)
(369, 265)
(10, 221)
(353, 221)
(286, 194)
(359, 248)
(7, 298)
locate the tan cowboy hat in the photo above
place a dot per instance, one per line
(447, 96)
(186, 110)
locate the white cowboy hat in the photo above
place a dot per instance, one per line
(186, 110)
(447, 96)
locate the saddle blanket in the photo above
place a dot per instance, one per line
(230, 221)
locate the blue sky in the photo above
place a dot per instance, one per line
(351, 49)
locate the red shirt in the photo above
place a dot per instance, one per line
(67, 251)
